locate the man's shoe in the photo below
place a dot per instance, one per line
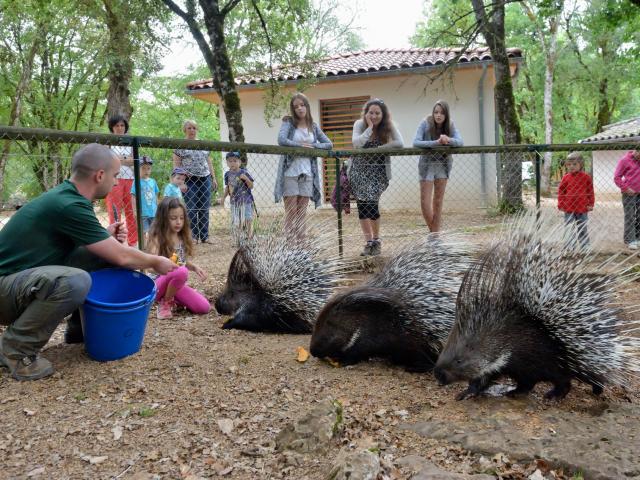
(32, 367)
(73, 333)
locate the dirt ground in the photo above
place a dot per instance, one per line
(198, 401)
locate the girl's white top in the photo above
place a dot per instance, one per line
(301, 165)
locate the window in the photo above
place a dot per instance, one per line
(336, 120)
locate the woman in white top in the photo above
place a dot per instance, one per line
(297, 179)
(369, 175)
(119, 200)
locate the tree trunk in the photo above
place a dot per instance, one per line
(222, 70)
(511, 163)
(551, 54)
(16, 104)
(120, 62)
(604, 107)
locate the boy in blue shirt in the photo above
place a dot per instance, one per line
(177, 185)
(150, 190)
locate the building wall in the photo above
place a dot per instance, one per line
(410, 98)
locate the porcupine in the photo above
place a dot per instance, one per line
(278, 284)
(404, 313)
(535, 308)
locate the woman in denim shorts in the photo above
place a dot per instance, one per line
(434, 168)
(297, 179)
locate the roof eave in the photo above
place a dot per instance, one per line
(354, 76)
(631, 139)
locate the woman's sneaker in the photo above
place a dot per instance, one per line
(376, 247)
(165, 309)
(367, 249)
(634, 245)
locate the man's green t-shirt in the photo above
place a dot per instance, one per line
(47, 229)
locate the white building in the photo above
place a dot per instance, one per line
(406, 80)
(605, 161)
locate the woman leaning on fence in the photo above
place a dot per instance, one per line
(200, 182)
(434, 168)
(297, 179)
(369, 175)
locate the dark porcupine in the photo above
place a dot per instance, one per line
(534, 308)
(277, 284)
(404, 313)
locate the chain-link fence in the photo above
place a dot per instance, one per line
(393, 194)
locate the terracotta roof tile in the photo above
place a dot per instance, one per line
(616, 131)
(364, 62)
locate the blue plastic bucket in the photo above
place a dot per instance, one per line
(114, 314)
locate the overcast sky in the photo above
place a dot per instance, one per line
(381, 24)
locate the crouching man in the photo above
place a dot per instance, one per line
(46, 249)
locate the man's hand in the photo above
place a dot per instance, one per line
(164, 265)
(118, 231)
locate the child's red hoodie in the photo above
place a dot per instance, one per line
(575, 193)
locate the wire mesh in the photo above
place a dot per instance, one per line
(401, 186)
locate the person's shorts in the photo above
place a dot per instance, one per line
(300, 186)
(146, 223)
(432, 169)
(241, 212)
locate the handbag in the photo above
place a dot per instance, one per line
(345, 191)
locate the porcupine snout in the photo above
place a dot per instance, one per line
(441, 376)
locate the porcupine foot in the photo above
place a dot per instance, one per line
(475, 388)
(559, 390)
(596, 389)
(522, 388)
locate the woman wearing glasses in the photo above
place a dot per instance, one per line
(369, 175)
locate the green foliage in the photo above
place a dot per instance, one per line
(160, 107)
(597, 72)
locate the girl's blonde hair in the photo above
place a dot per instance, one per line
(188, 121)
(308, 118)
(159, 234)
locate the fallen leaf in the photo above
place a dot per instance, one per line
(94, 460)
(29, 413)
(303, 355)
(332, 362)
(36, 471)
(117, 432)
(226, 425)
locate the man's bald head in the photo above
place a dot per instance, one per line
(90, 159)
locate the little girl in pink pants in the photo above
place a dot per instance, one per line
(170, 236)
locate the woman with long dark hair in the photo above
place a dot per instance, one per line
(434, 168)
(369, 175)
(297, 179)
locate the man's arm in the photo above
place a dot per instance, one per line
(127, 257)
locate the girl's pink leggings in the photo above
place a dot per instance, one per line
(186, 296)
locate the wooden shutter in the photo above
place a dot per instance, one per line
(336, 120)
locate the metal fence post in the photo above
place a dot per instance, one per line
(538, 170)
(136, 182)
(339, 203)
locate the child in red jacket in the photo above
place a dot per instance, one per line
(575, 196)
